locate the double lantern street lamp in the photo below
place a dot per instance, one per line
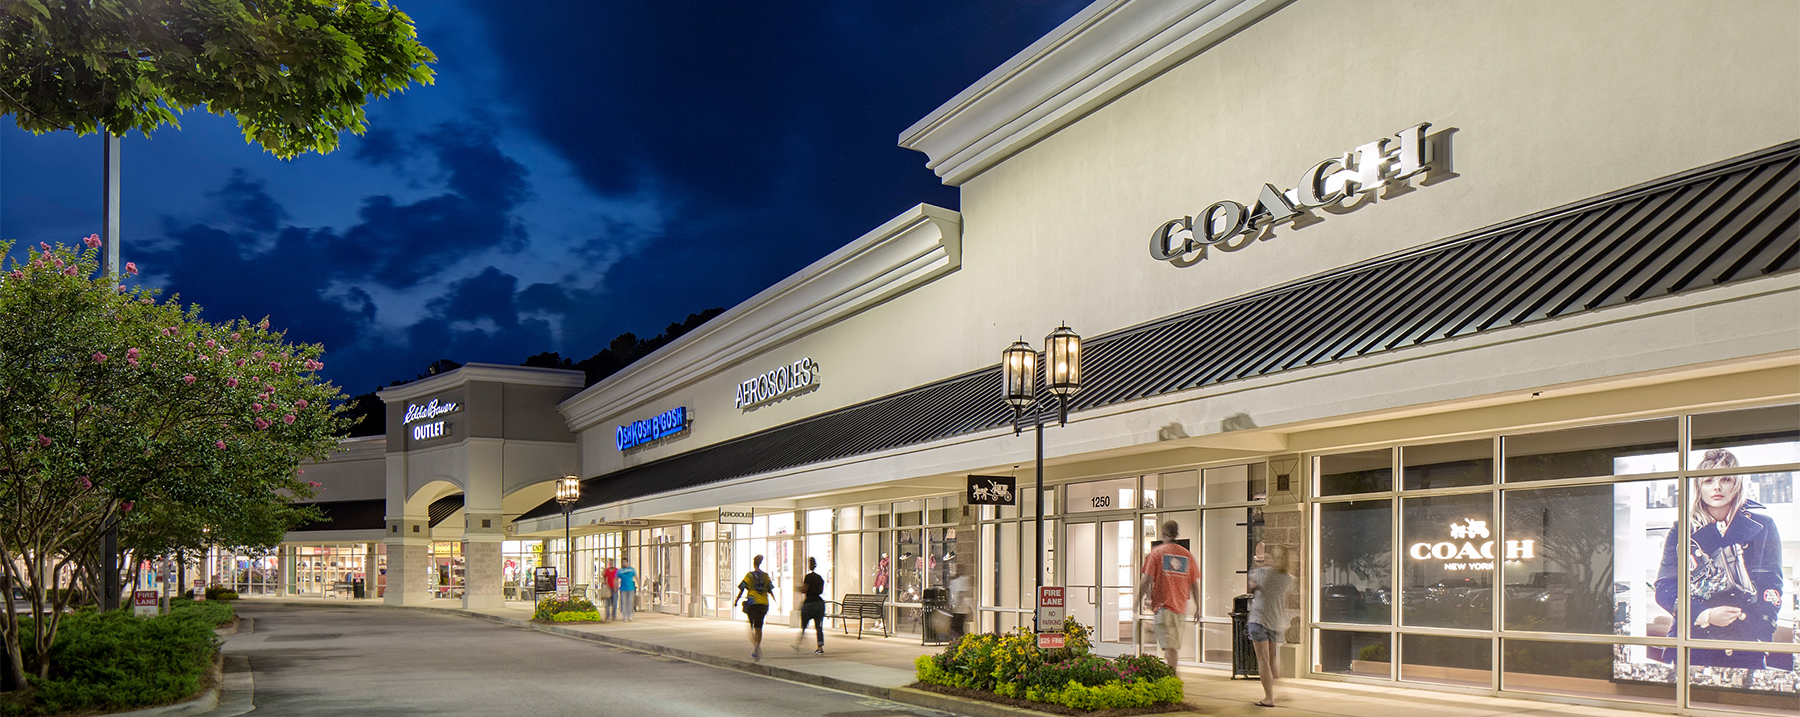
(568, 490)
(1062, 379)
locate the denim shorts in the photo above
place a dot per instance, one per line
(1258, 633)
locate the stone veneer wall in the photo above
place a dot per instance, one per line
(482, 572)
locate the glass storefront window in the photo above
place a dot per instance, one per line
(1447, 660)
(1755, 437)
(1103, 495)
(909, 513)
(1172, 490)
(1355, 552)
(1235, 484)
(1616, 449)
(1361, 472)
(1583, 559)
(1447, 465)
(1231, 535)
(1766, 690)
(1584, 669)
(1447, 578)
(1346, 652)
(819, 521)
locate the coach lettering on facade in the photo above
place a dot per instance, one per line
(1331, 181)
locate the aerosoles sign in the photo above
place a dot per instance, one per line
(1340, 181)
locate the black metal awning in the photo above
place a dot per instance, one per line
(442, 508)
(1724, 223)
(347, 515)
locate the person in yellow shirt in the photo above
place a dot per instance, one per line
(754, 590)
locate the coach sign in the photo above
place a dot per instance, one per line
(1338, 180)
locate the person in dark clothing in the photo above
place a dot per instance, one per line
(812, 608)
(1734, 570)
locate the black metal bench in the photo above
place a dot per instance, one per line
(860, 607)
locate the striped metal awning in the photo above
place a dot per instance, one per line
(1724, 223)
(442, 508)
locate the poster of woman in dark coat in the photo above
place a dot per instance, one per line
(1733, 554)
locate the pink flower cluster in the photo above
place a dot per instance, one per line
(92, 241)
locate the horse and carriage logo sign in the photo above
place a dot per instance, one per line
(993, 490)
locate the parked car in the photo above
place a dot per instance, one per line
(1341, 603)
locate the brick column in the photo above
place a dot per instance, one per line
(481, 571)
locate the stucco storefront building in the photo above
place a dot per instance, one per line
(1459, 302)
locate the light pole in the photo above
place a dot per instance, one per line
(568, 490)
(1062, 379)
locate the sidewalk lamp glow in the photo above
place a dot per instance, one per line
(1062, 379)
(568, 490)
(1019, 364)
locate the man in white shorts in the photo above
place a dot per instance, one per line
(1171, 578)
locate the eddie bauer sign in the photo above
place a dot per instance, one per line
(435, 429)
(1461, 553)
(1331, 181)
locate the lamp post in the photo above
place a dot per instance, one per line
(1062, 379)
(568, 490)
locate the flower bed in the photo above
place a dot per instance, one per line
(1012, 666)
(562, 608)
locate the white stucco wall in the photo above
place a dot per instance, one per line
(1550, 103)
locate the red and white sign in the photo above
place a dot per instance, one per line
(562, 585)
(145, 603)
(1050, 640)
(199, 590)
(1050, 607)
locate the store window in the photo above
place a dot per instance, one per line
(1355, 553)
(1360, 472)
(1643, 546)
(1617, 449)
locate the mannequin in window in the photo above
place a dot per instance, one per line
(881, 575)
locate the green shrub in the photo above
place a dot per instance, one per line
(1373, 653)
(113, 661)
(219, 592)
(212, 612)
(548, 608)
(589, 616)
(1014, 666)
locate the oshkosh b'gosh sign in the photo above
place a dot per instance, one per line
(1340, 180)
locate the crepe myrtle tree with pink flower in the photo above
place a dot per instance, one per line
(122, 410)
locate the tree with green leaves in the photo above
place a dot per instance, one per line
(295, 73)
(113, 403)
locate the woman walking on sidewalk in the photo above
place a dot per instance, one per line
(1269, 584)
(812, 609)
(754, 590)
(627, 588)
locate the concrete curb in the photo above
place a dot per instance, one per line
(206, 702)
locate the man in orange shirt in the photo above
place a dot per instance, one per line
(1170, 578)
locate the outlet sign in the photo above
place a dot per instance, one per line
(658, 427)
(1340, 180)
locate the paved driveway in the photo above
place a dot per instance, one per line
(375, 663)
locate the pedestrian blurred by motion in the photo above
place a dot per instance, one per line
(1269, 585)
(611, 578)
(812, 607)
(754, 590)
(1170, 579)
(627, 593)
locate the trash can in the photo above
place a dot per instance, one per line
(1243, 654)
(937, 623)
(356, 588)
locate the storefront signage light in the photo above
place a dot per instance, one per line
(1461, 553)
(777, 383)
(737, 516)
(416, 412)
(1341, 179)
(663, 425)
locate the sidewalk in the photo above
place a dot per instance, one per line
(882, 667)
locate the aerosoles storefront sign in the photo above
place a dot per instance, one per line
(1340, 180)
(776, 383)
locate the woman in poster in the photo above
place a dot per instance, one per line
(1734, 570)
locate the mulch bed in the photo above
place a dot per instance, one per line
(985, 696)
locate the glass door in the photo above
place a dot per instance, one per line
(1101, 587)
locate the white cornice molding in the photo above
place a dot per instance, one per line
(920, 245)
(1106, 50)
(498, 373)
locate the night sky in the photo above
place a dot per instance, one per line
(581, 169)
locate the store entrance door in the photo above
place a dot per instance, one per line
(1101, 580)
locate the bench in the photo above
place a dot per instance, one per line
(860, 607)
